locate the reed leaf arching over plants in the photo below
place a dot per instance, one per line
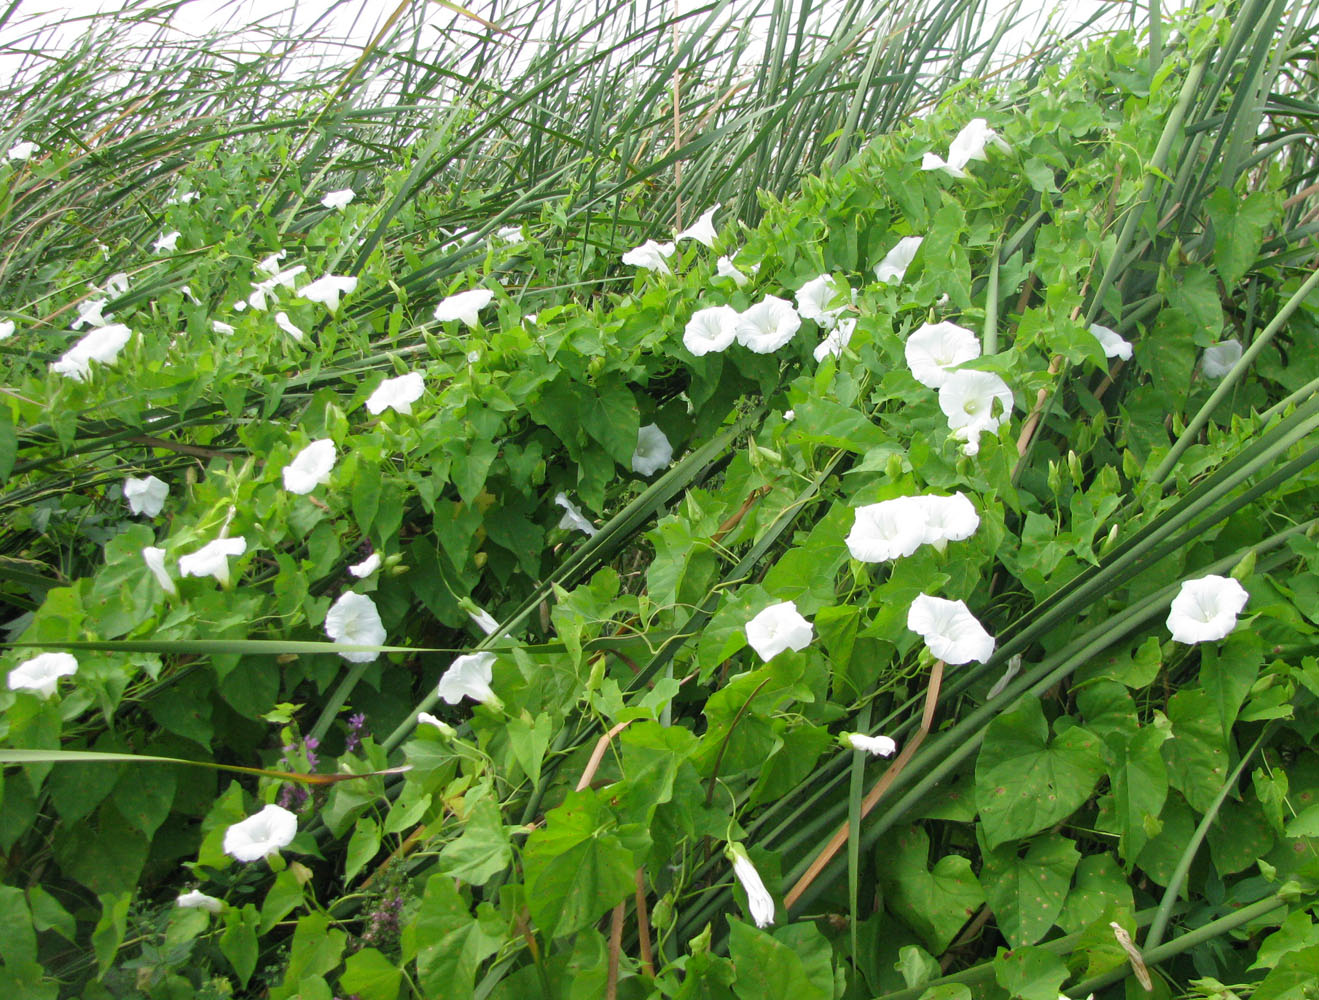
(738, 501)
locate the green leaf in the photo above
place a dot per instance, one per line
(1297, 932)
(483, 850)
(610, 416)
(449, 943)
(363, 845)
(1196, 755)
(48, 914)
(1239, 227)
(282, 898)
(371, 976)
(18, 943)
(315, 951)
(1030, 973)
(1024, 781)
(576, 869)
(8, 443)
(1139, 782)
(792, 963)
(1228, 670)
(238, 943)
(529, 741)
(936, 902)
(1293, 978)
(109, 932)
(1027, 893)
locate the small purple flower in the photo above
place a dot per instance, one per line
(353, 741)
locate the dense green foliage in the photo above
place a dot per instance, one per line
(576, 835)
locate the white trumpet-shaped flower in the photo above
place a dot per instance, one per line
(814, 299)
(310, 468)
(339, 199)
(949, 519)
(654, 452)
(288, 326)
(890, 529)
(573, 518)
(366, 567)
(212, 559)
(937, 348)
(469, 676)
(779, 627)
(465, 306)
(702, 230)
(975, 402)
(198, 900)
(21, 150)
(969, 144)
(1219, 359)
(155, 559)
(168, 242)
(446, 730)
(768, 325)
(1113, 344)
(6, 329)
(354, 621)
(710, 330)
(894, 266)
(326, 290)
(145, 496)
(484, 620)
(261, 835)
(878, 746)
(725, 268)
(1206, 609)
(836, 339)
(397, 394)
(92, 313)
(760, 902)
(949, 629)
(42, 673)
(102, 345)
(651, 256)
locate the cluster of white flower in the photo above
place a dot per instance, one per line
(895, 528)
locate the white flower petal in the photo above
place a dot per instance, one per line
(366, 567)
(145, 496)
(1114, 345)
(725, 268)
(1219, 359)
(102, 344)
(936, 348)
(21, 150)
(975, 402)
(446, 730)
(653, 451)
(464, 306)
(327, 290)
(212, 559)
(339, 199)
(397, 394)
(878, 746)
(814, 299)
(895, 263)
(572, 518)
(6, 329)
(759, 901)
(710, 330)
(167, 241)
(778, 627)
(469, 676)
(354, 621)
(768, 325)
(42, 673)
(949, 519)
(287, 325)
(197, 900)
(155, 559)
(702, 230)
(310, 467)
(261, 835)
(651, 255)
(836, 339)
(890, 529)
(1205, 610)
(949, 629)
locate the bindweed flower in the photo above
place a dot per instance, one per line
(354, 621)
(1206, 609)
(813, 299)
(702, 230)
(653, 451)
(339, 199)
(768, 325)
(270, 265)
(6, 329)
(969, 144)
(288, 326)
(1114, 345)
(155, 559)
(197, 900)
(366, 567)
(167, 242)
(893, 268)
(835, 340)
(484, 620)
(102, 345)
(877, 746)
(890, 529)
(949, 629)
(510, 234)
(117, 283)
(327, 290)
(212, 559)
(145, 496)
(464, 306)
(469, 676)
(725, 268)
(21, 150)
(936, 348)
(975, 402)
(651, 256)
(779, 627)
(759, 901)
(397, 394)
(711, 329)
(261, 835)
(948, 519)
(1219, 359)
(446, 730)
(310, 467)
(219, 326)
(92, 313)
(572, 517)
(789, 416)
(41, 674)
